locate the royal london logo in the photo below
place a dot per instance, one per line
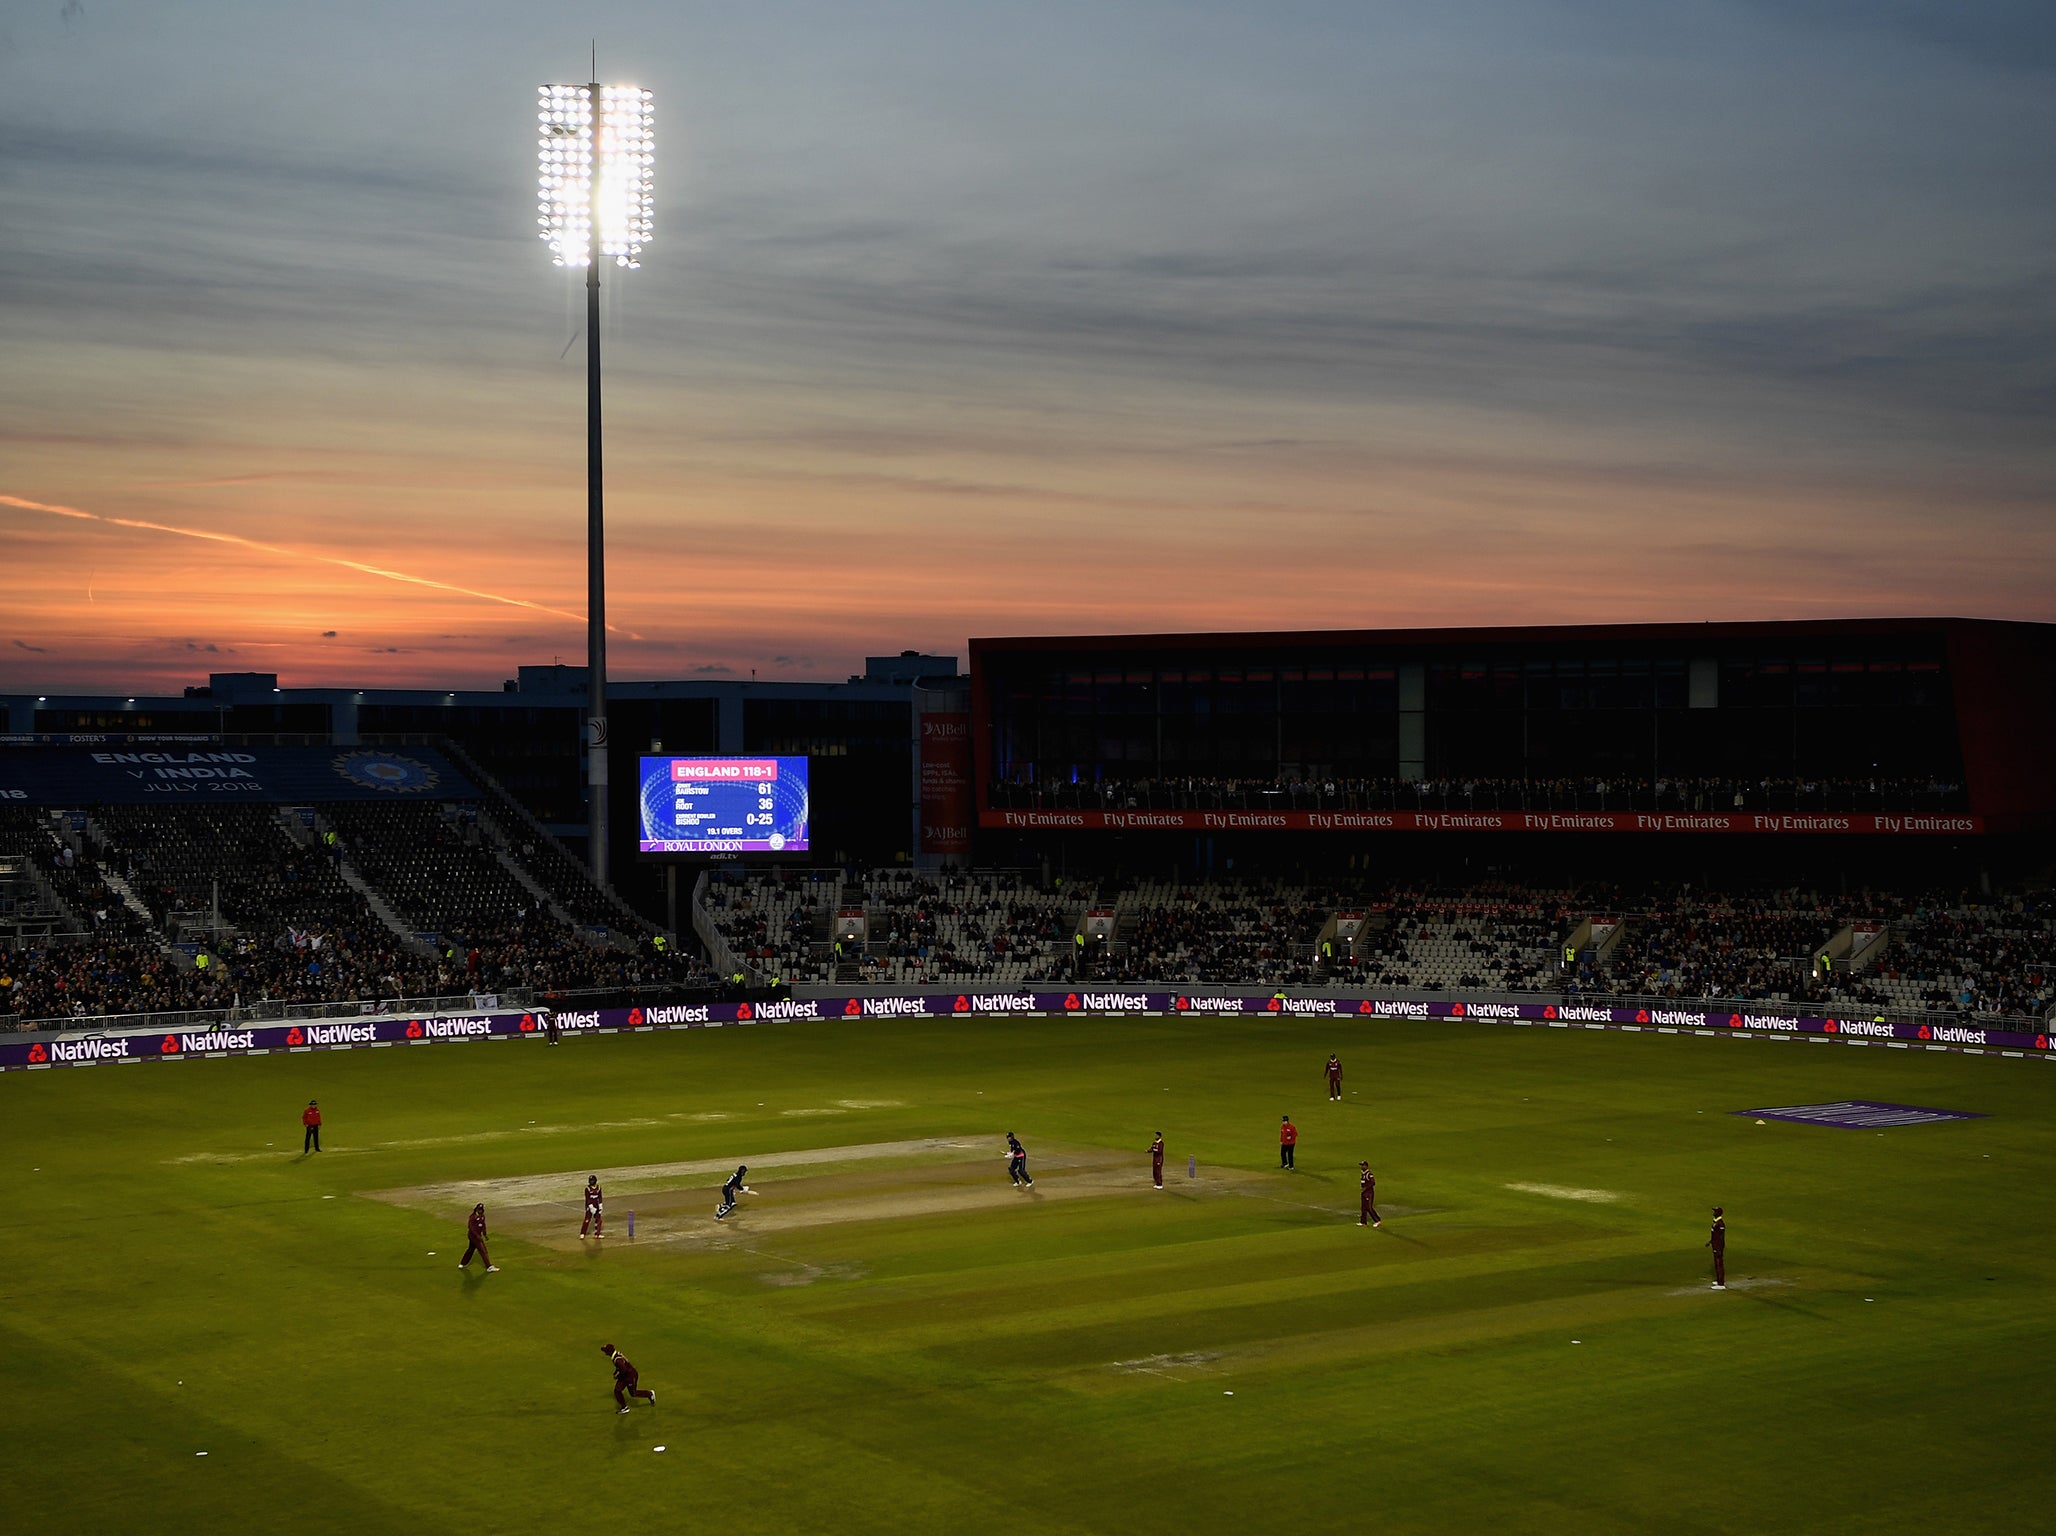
(387, 773)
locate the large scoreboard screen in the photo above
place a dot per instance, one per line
(724, 805)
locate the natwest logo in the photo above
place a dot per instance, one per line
(884, 1007)
(1210, 1004)
(1765, 1021)
(673, 1013)
(454, 1029)
(1002, 1002)
(1864, 1027)
(1400, 1010)
(1111, 1002)
(1675, 1016)
(1486, 1010)
(88, 1050)
(333, 1034)
(1579, 1011)
(1954, 1036)
(788, 1008)
(37, 1053)
(1304, 1004)
(218, 1041)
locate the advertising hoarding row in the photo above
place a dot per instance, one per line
(31, 1052)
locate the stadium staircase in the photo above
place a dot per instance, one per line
(544, 863)
(348, 872)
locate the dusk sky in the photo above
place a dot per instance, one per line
(1008, 318)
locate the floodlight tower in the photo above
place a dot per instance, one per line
(594, 154)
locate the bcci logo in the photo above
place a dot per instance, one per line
(387, 773)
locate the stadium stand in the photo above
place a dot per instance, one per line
(1951, 952)
(158, 909)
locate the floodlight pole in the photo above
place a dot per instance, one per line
(595, 567)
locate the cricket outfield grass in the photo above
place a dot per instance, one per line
(888, 1337)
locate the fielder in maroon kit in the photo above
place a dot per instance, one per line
(1334, 1070)
(594, 1212)
(477, 1243)
(1718, 1242)
(625, 1379)
(1368, 1181)
(1156, 1160)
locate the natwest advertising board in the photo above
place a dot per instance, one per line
(32, 1052)
(1773, 822)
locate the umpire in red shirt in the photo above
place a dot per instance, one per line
(1288, 1138)
(310, 1117)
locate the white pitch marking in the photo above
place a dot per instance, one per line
(1568, 1192)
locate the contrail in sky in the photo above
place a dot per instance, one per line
(295, 554)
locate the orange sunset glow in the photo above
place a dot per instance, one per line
(1008, 331)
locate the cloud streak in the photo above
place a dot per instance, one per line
(337, 561)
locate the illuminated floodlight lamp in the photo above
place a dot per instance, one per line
(595, 160)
